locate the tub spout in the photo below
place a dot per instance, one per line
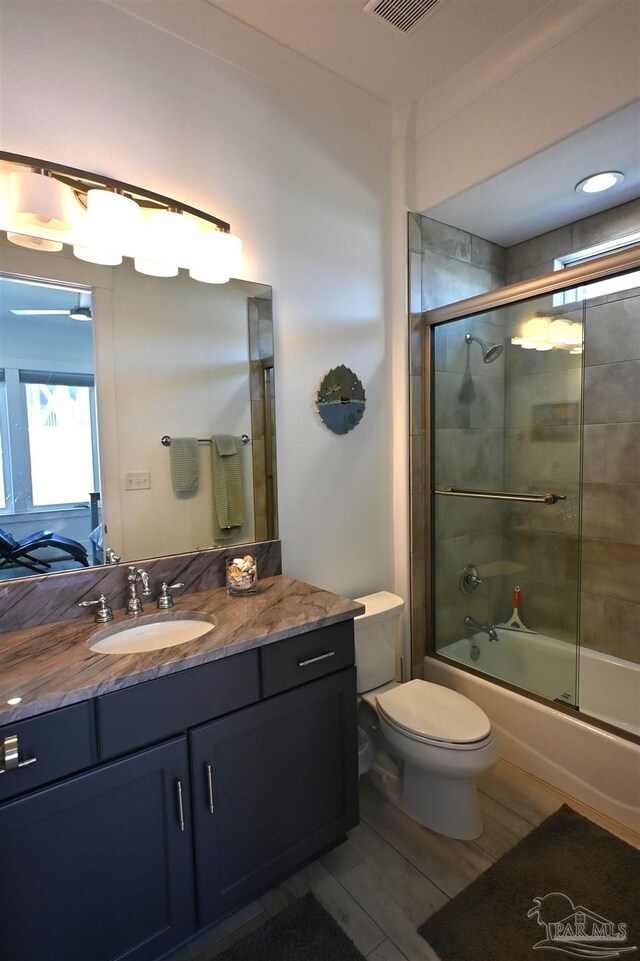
(472, 625)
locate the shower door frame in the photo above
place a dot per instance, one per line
(609, 265)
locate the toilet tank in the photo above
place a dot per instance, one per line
(376, 638)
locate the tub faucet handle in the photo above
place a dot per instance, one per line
(469, 579)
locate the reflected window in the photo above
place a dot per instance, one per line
(59, 414)
(4, 464)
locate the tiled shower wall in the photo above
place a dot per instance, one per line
(445, 265)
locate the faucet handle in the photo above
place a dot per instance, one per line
(144, 577)
(165, 599)
(104, 613)
(469, 579)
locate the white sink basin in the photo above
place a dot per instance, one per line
(151, 632)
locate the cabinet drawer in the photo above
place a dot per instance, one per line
(168, 705)
(61, 742)
(306, 657)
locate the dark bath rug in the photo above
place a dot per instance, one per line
(302, 932)
(569, 889)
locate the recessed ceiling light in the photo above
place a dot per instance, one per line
(597, 182)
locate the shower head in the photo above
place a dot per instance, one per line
(490, 352)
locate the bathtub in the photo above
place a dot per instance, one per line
(594, 766)
(609, 687)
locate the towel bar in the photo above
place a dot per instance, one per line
(165, 440)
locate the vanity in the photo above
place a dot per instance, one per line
(146, 796)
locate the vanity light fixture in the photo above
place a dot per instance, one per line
(44, 207)
(599, 182)
(546, 333)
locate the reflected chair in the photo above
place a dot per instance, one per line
(20, 553)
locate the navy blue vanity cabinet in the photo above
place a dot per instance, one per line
(155, 810)
(273, 785)
(99, 866)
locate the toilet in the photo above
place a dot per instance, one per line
(423, 744)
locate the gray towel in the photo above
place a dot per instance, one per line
(228, 494)
(226, 444)
(185, 464)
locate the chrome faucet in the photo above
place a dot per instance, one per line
(472, 625)
(135, 576)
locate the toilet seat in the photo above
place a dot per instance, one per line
(434, 715)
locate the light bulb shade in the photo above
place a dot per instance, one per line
(111, 224)
(80, 313)
(98, 255)
(113, 215)
(217, 257)
(559, 331)
(40, 200)
(35, 243)
(155, 268)
(165, 242)
(537, 328)
(575, 335)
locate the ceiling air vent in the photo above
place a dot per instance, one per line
(404, 15)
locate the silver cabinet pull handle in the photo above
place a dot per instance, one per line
(314, 660)
(210, 800)
(180, 803)
(11, 758)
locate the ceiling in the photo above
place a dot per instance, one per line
(399, 69)
(363, 49)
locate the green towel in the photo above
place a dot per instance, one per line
(185, 464)
(228, 493)
(226, 444)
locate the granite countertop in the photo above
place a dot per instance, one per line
(50, 666)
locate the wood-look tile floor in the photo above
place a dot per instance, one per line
(391, 873)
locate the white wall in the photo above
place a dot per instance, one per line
(562, 70)
(298, 162)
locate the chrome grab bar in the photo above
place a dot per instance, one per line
(547, 498)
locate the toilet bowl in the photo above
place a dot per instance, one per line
(424, 744)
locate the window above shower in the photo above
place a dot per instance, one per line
(598, 288)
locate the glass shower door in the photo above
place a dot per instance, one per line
(506, 461)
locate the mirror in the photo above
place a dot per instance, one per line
(341, 400)
(160, 356)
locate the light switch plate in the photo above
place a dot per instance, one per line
(137, 480)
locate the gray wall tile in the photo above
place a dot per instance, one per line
(608, 225)
(612, 393)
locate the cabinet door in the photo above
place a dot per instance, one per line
(97, 867)
(273, 785)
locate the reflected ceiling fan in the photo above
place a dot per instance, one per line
(81, 310)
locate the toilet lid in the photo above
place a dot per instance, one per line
(430, 710)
